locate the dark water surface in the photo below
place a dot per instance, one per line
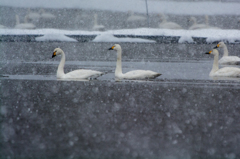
(182, 114)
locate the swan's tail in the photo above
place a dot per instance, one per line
(158, 74)
(97, 75)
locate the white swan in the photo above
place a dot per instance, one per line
(230, 60)
(225, 71)
(47, 16)
(24, 25)
(136, 74)
(134, 18)
(96, 26)
(195, 25)
(76, 74)
(168, 25)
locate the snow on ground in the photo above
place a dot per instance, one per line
(211, 34)
(167, 7)
(184, 39)
(55, 37)
(106, 37)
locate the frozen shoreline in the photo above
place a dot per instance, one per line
(186, 35)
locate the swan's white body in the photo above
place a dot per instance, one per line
(96, 26)
(134, 18)
(168, 25)
(225, 71)
(131, 75)
(24, 25)
(227, 60)
(196, 26)
(76, 74)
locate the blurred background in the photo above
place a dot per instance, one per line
(120, 14)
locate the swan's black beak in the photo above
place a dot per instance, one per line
(111, 48)
(54, 54)
(208, 52)
(217, 46)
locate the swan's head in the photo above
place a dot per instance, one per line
(56, 52)
(115, 47)
(213, 52)
(220, 44)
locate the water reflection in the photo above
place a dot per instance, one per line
(226, 78)
(96, 118)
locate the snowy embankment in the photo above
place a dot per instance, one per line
(211, 35)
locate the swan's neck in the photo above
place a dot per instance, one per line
(118, 70)
(225, 50)
(60, 71)
(215, 63)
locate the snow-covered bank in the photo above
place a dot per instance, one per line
(211, 34)
(106, 37)
(55, 37)
(167, 7)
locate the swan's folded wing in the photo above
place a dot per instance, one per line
(141, 74)
(228, 72)
(83, 74)
(229, 60)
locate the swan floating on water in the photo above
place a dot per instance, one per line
(96, 26)
(168, 25)
(24, 25)
(195, 25)
(230, 60)
(76, 74)
(225, 71)
(131, 75)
